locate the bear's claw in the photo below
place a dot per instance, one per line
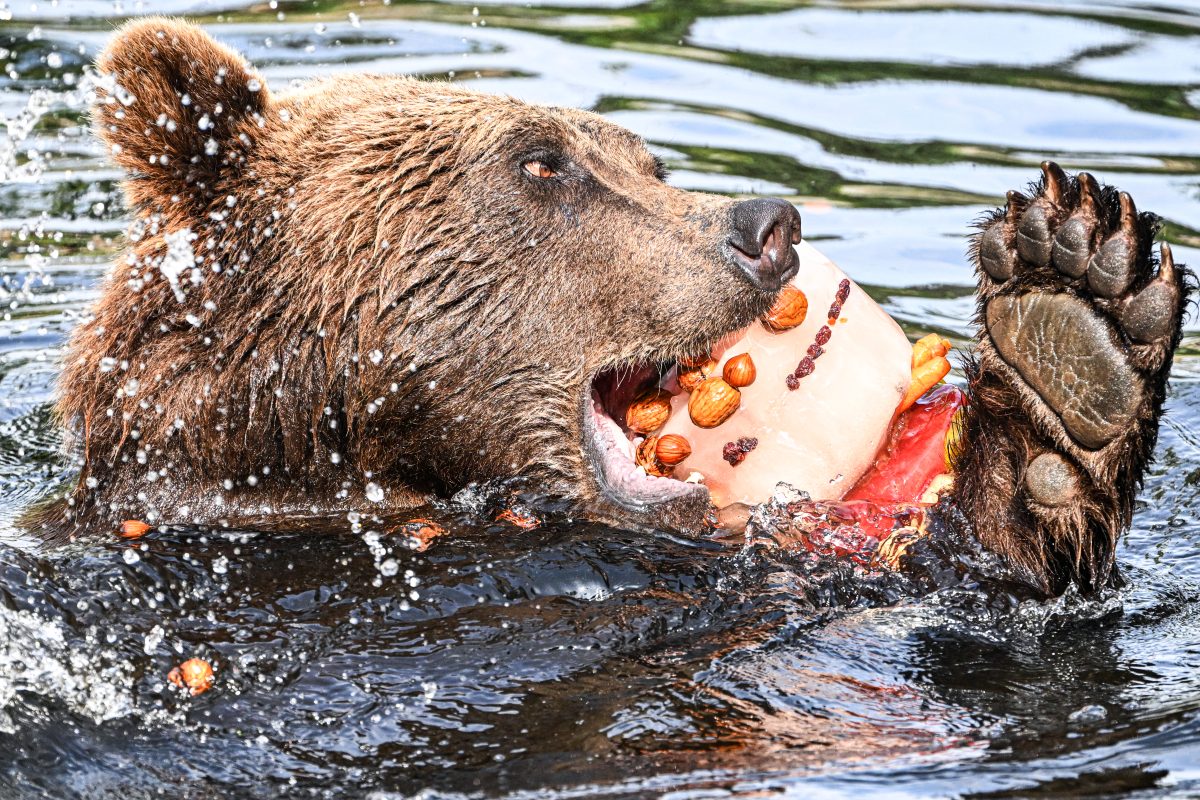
(1078, 323)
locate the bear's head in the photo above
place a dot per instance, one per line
(379, 280)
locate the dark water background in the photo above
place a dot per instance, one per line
(576, 660)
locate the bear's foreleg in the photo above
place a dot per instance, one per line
(1077, 324)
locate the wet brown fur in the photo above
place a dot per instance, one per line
(395, 294)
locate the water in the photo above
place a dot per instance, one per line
(575, 660)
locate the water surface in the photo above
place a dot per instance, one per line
(576, 660)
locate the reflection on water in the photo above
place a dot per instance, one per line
(575, 657)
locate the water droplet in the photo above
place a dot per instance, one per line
(374, 492)
(153, 639)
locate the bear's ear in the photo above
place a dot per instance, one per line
(174, 105)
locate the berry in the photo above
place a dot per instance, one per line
(735, 452)
(843, 291)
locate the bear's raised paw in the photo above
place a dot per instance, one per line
(1077, 324)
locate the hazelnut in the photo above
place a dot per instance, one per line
(421, 533)
(695, 361)
(647, 460)
(133, 529)
(691, 377)
(195, 673)
(671, 449)
(740, 371)
(649, 412)
(521, 517)
(790, 309)
(713, 402)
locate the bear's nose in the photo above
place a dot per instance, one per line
(764, 231)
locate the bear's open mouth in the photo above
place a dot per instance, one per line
(611, 447)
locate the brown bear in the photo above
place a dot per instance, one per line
(375, 289)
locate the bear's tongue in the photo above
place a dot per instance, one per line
(820, 436)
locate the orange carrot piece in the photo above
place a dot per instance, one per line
(927, 347)
(924, 378)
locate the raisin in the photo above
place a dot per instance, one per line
(735, 452)
(843, 291)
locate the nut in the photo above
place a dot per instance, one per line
(896, 546)
(740, 371)
(421, 533)
(713, 402)
(521, 517)
(671, 449)
(649, 412)
(790, 309)
(695, 361)
(195, 673)
(648, 461)
(133, 529)
(689, 379)
(691, 376)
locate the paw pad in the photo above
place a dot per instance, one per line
(1051, 481)
(1066, 354)
(1074, 240)
(1110, 271)
(1149, 315)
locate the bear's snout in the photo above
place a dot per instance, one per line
(764, 230)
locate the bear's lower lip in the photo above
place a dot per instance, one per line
(611, 451)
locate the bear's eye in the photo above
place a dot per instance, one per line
(538, 169)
